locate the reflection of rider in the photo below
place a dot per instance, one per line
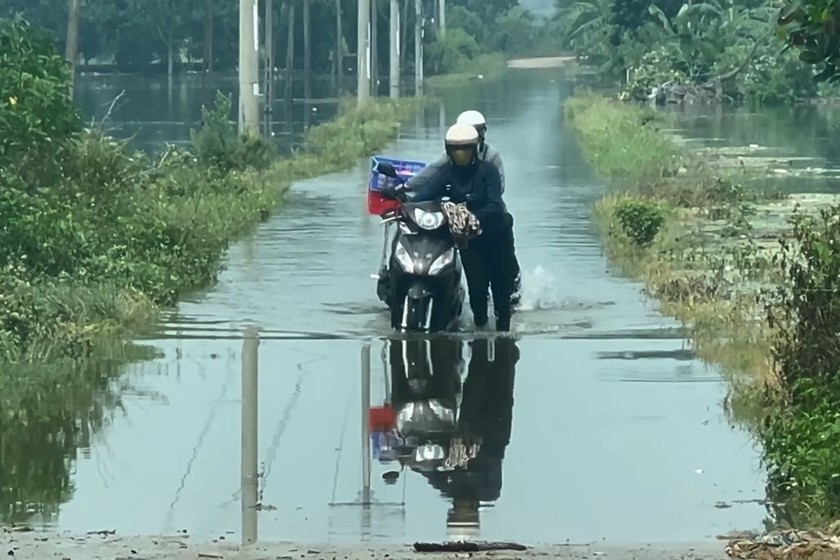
(486, 417)
(467, 179)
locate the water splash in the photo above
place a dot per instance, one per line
(539, 290)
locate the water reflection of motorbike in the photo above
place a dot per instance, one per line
(426, 383)
(457, 447)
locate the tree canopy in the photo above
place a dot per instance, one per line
(813, 27)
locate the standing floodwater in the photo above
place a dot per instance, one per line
(614, 430)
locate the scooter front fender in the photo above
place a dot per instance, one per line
(418, 290)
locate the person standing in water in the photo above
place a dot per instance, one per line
(485, 153)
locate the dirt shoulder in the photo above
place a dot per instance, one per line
(45, 545)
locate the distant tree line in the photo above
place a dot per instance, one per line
(136, 34)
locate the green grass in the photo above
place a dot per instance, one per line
(621, 142)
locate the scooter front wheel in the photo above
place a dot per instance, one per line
(415, 315)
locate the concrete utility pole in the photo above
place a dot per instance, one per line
(249, 74)
(208, 35)
(394, 56)
(290, 48)
(418, 47)
(269, 64)
(307, 54)
(71, 47)
(363, 52)
(442, 18)
(339, 40)
(373, 61)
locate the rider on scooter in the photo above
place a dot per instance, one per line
(476, 183)
(485, 153)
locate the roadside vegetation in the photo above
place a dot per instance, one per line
(97, 236)
(753, 275)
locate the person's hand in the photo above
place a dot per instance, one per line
(390, 192)
(403, 212)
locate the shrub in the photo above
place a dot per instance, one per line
(218, 146)
(802, 444)
(640, 220)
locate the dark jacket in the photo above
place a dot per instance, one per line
(485, 153)
(479, 185)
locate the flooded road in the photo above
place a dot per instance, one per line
(615, 431)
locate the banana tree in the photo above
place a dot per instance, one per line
(702, 31)
(586, 26)
(813, 27)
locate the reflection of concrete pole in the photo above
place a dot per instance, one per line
(250, 360)
(365, 423)
(418, 120)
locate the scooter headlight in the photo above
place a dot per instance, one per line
(444, 260)
(428, 220)
(404, 258)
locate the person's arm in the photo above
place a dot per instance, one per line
(423, 176)
(434, 188)
(496, 159)
(494, 208)
(501, 167)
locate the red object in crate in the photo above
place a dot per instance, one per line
(377, 204)
(382, 418)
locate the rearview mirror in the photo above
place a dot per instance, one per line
(387, 169)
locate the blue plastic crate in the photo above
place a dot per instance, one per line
(405, 167)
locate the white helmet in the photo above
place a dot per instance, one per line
(472, 118)
(461, 135)
(476, 120)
